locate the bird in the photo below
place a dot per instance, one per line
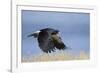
(49, 40)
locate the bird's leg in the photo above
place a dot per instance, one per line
(53, 49)
(49, 50)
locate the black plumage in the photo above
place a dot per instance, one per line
(49, 40)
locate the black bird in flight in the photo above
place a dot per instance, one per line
(49, 40)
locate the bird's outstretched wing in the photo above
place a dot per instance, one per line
(58, 42)
(45, 42)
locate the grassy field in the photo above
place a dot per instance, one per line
(57, 56)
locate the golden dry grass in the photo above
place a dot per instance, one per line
(59, 56)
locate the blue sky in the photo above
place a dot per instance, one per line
(74, 29)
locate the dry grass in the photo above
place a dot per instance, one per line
(58, 56)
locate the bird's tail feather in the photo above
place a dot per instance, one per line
(30, 35)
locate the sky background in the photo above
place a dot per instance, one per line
(74, 30)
